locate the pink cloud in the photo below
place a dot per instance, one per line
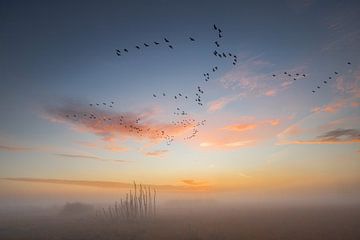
(220, 103)
(157, 153)
(111, 125)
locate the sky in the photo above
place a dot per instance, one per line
(263, 134)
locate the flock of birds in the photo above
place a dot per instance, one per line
(297, 76)
(133, 125)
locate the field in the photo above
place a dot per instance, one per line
(331, 222)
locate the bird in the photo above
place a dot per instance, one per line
(90, 104)
(191, 39)
(156, 43)
(146, 45)
(318, 87)
(170, 46)
(329, 77)
(125, 50)
(217, 44)
(336, 73)
(325, 82)
(175, 97)
(219, 30)
(215, 53)
(313, 91)
(137, 47)
(118, 52)
(164, 94)
(304, 75)
(166, 40)
(285, 73)
(274, 75)
(224, 55)
(230, 54)
(220, 36)
(215, 28)
(349, 63)
(154, 95)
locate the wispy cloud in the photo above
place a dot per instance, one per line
(254, 78)
(111, 125)
(240, 127)
(157, 153)
(13, 148)
(337, 136)
(83, 156)
(192, 182)
(331, 107)
(220, 103)
(104, 184)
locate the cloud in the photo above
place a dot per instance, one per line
(337, 136)
(226, 144)
(111, 125)
(254, 78)
(341, 135)
(104, 184)
(10, 148)
(192, 182)
(240, 127)
(157, 153)
(331, 107)
(220, 103)
(66, 155)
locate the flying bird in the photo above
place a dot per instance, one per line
(170, 46)
(165, 39)
(146, 45)
(125, 50)
(137, 47)
(191, 39)
(215, 28)
(118, 52)
(156, 43)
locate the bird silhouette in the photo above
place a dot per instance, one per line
(154, 95)
(165, 39)
(191, 39)
(170, 46)
(146, 45)
(215, 28)
(217, 44)
(156, 43)
(349, 63)
(125, 50)
(137, 47)
(118, 52)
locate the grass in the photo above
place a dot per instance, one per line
(138, 204)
